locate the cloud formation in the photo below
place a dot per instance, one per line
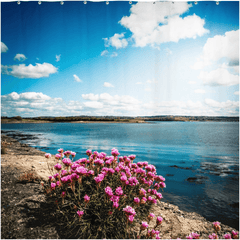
(200, 91)
(117, 41)
(153, 24)
(108, 85)
(58, 57)
(20, 57)
(76, 78)
(30, 71)
(220, 47)
(4, 48)
(39, 104)
(220, 76)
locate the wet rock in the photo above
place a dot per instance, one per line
(187, 168)
(197, 179)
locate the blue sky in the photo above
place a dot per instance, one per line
(125, 59)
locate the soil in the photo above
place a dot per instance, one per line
(26, 213)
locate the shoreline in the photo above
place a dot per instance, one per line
(22, 158)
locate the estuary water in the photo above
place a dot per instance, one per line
(200, 160)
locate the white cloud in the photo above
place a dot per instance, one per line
(58, 57)
(76, 78)
(219, 47)
(93, 104)
(4, 48)
(108, 85)
(30, 71)
(200, 91)
(148, 89)
(38, 104)
(104, 53)
(192, 82)
(90, 96)
(220, 76)
(222, 105)
(117, 41)
(20, 57)
(236, 93)
(139, 83)
(153, 24)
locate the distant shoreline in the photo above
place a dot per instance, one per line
(115, 119)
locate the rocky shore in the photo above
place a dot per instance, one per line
(25, 213)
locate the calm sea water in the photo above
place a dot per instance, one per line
(207, 152)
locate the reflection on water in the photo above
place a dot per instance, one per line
(198, 159)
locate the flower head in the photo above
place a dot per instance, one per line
(159, 220)
(48, 155)
(130, 218)
(119, 191)
(216, 226)
(60, 150)
(86, 198)
(80, 213)
(89, 152)
(227, 236)
(58, 166)
(234, 234)
(144, 225)
(151, 216)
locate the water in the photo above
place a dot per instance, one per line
(208, 152)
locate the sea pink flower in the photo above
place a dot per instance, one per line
(159, 178)
(159, 220)
(108, 191)
(53, 185)
(66, 161)
(90, 172)
(115, 205)
(56, 175)
(154, 201)
(234, 234)
(136, 200)
(159, 196)
(195, 235)
(67, 153)
(99, 162)
(162, 184)
(151, 216)
(115, 152)
(99, 178)
(86, 198)
(189, 237)
(74, 176)
(57, 156)
(123, 178)
(142, 192)
(227, 236)
(63, 173)
(48, 155)
(216, 226)
(213, 236)
(130, 218)
(144, 225)
(80, 213)
(129, 210)
(58, 166)
(111, 171)
(115, 198)
(119, 191)
(73, 154)
(63, 194)
(143, 200)
(132, 157)
(81, 171)
(60, 150)
(89, 152)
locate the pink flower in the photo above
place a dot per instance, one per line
(123, 178)
(73, 154)
(151, 216)
(159, 196)
(195, 235)
(227, 236)
(189, 237)
(115, 152)
(74, 176)
(119, 191)
(90, 172)
(56, 175)
(99, 178)
(142, 192)
(213, 236)
(115, 205)
(159, 178)
(66, 161)
(53, 185)
(58, 166)
(60, 150)
(57, 156)
(143, 200)
(144, 225)
(64, 172)
(89, 152)
(162, 184)
(111, 171)
(48, 155)
(108, 191)
(81, 171)
(132, 157)
(63, 194)
(129, 211)
(136, 200)
(130, 218)
(67, 153)
(159, 220)
(216, 226)
(234, 234)
(99, 162)
(80, 213)
(86, 198)
(115, 198)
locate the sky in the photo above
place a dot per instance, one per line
(120, 59)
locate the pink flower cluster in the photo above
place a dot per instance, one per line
(193, 236)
